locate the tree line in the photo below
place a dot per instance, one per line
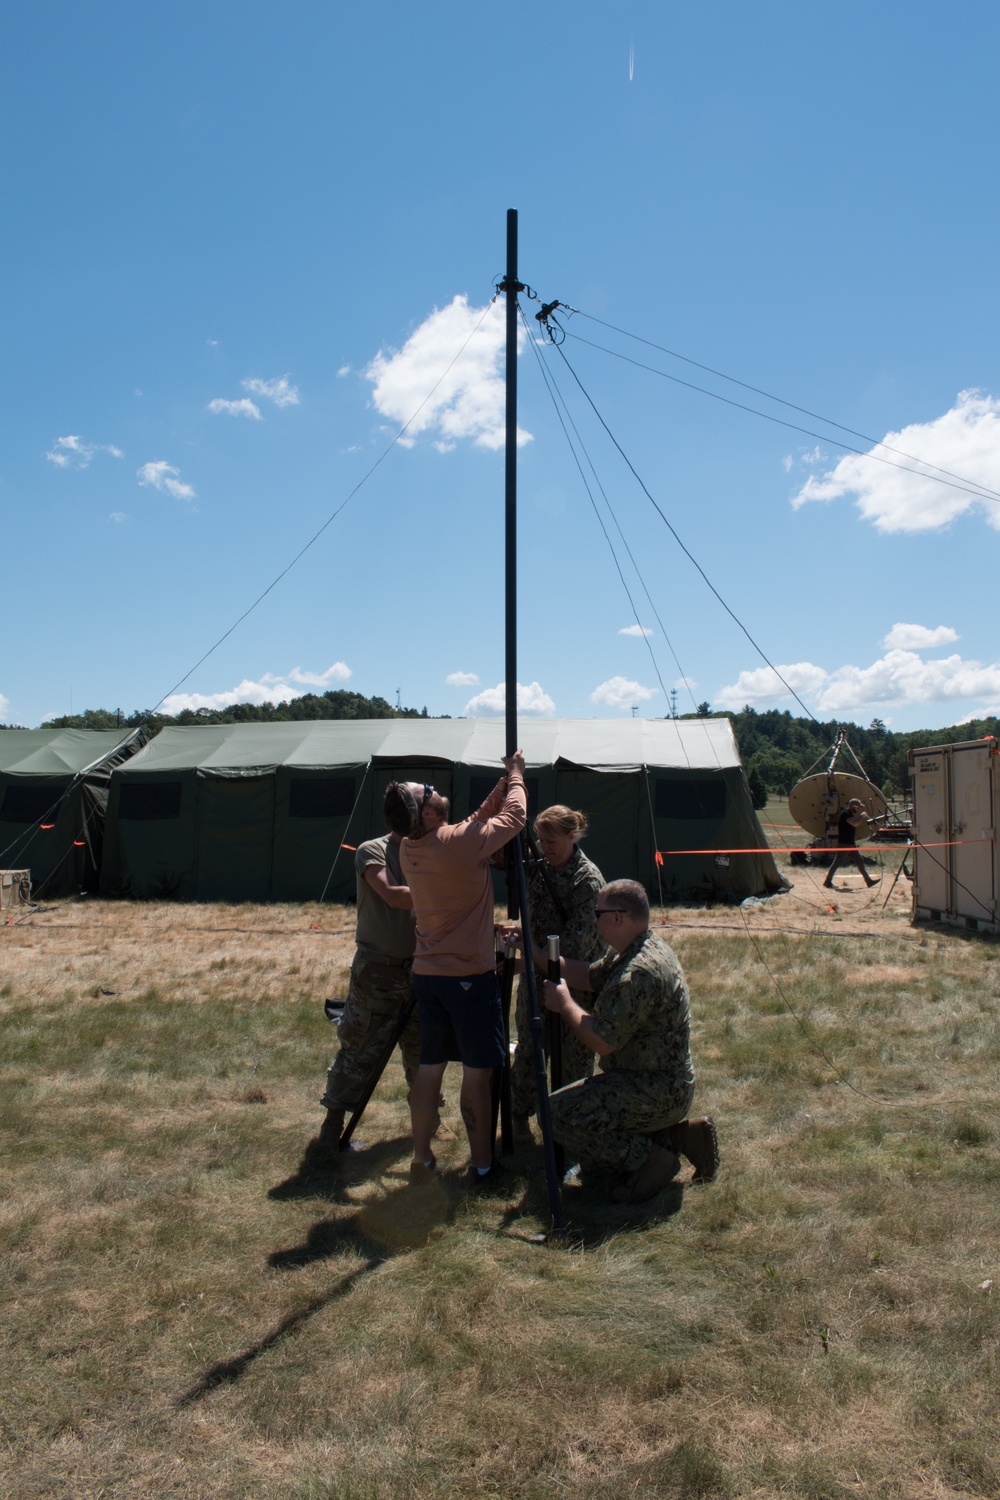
(776, 748)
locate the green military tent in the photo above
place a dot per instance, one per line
(258, 812)
(53, 797)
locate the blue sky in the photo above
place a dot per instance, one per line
(245, 241)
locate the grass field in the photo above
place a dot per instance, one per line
(184, 1314)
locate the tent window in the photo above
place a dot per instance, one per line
(29, 804)
(321, 797)
(146, 801)
(690, 799)
(481, 786)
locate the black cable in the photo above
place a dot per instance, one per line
(733, 616)
(979, 494)
(552, 390)
(273, 584)
(988, 493)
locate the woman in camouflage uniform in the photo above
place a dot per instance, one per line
(572, 878)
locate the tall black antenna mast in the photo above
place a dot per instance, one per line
(517, 895)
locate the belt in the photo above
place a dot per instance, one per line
(383, 958)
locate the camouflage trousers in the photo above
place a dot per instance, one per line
(374, 1004)
(612, 1120)
(577, 1059)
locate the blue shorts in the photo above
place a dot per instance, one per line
(460, 1019)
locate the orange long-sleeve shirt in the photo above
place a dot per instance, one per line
(449, 877)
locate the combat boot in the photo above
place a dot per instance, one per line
(657, 1172)
(697, 1140)
(332, 1128)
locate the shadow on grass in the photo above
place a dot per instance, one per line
(390, 1224)
(324, 1240)
(590, 1219)
(317, 1175)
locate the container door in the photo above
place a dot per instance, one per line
(972, 827)
(932, 826)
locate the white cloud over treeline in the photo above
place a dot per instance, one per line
(621, 692)
(436, 393)
(531, 699)
(268, 688)
(901, 676)
(965, 441)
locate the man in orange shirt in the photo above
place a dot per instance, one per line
(447, 868)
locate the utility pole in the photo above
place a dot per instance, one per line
(517, 891)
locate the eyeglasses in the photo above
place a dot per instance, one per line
(602, 911)
(428, 792)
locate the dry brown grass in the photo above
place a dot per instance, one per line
(186, 1315)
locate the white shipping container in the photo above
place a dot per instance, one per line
(956, 793)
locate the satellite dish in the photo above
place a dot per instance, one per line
(816, 803)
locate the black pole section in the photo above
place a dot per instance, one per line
(555, 1036)
(511, 286)
(541, 1083)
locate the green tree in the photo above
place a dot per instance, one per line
(758, 790)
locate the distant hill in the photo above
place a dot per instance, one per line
(778, 749)
(336, 704)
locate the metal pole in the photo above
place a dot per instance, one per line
(517, 895)
(511, 287)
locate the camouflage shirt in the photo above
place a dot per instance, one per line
(576, 885)
(640, 1008)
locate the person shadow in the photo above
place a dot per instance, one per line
(320, 1175)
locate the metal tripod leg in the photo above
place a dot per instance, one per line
(377, 1071)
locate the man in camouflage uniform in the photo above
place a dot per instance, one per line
(575, 886)
(380, 984)
(631, 1118)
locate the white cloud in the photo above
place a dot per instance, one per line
(72, 452)
(242, 408)
(278, 390)
(468, 401)
(965, 441)
(118, 516)
(462, 679)
(904, 677)
(619, 692)
(339, 672)
(919, 637)
(899, 677)
(344, 370)
(270, 688)
(764, 685)
(531, 699)
(160, 475)
(639, 630)
(4, 705)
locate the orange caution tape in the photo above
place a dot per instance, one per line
(828, 848)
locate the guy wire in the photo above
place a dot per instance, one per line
(347, 826)
(967, 486)
(691, 558)
(553, 391)
(988, 492)
(33, 828)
